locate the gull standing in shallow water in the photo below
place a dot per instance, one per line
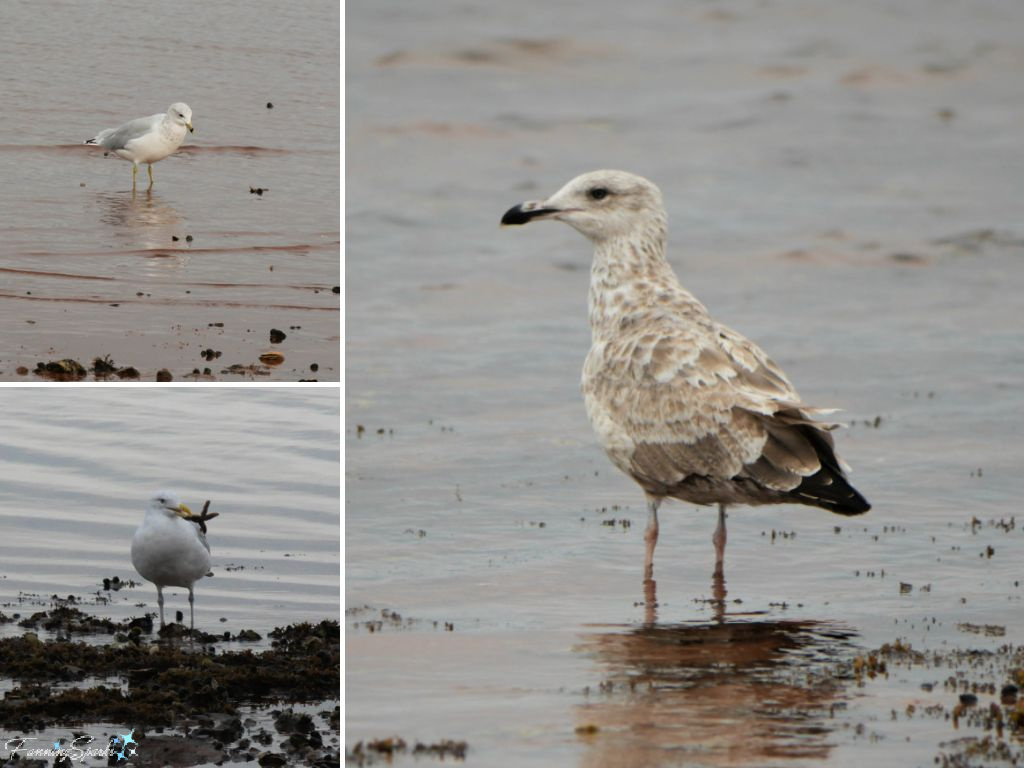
(687, 407)
(147, 139)
(170, 550)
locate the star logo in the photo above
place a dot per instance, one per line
(56, 745)
(128, 738)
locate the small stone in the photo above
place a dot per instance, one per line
(164, 375)
(968, 699)
(277, 336)
(271, 760)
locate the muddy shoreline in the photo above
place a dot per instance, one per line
(190, 701)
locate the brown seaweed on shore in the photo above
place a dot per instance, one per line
(164, 683)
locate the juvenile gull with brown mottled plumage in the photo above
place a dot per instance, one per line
(682, 404)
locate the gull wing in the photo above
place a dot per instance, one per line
(118, 138)
(202, 538)
(695, 410)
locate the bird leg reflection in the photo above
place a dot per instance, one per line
(650, 601)
(718, 594)
(719, 539)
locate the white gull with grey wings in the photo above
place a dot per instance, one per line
(169, 549)
(147, 139)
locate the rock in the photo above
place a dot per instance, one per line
(219, 726)
(62, 370)
(175, 750)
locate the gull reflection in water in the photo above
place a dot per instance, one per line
(735, 691)
(141, 220)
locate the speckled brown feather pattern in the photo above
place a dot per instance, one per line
(686, 406)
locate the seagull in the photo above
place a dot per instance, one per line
(147, 139)
(687, 407)
(169, 550)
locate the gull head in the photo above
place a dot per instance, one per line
(167, 503)
(181, 114)
(600, 205)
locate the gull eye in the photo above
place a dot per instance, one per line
(598, 193)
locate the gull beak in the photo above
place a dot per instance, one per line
(184, 511)
(190, 128)
(526, 212)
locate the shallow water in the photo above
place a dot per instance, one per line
(843, 187)
(88, 268)
(79, 466)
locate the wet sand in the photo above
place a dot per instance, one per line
(803, 666)
(238, 235)
(842, 187)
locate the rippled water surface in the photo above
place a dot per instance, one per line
(843, 186)
(88, 268)
(78, 467)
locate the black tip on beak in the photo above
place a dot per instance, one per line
(517, 214)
